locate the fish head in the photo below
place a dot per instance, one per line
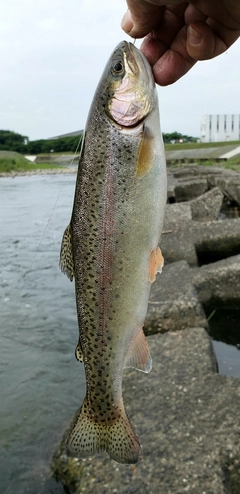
(130, 92)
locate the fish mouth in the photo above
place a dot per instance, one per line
(139, 60)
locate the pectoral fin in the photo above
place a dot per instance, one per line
(66, 255)
(156, 263)
(146, 153)
(138, 355)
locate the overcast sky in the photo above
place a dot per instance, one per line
(52, 54)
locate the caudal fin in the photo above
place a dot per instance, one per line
(90, 436)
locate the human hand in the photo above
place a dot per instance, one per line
(181, 33)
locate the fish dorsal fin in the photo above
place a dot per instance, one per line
(66, 255)
(138, 355)
(79, 352)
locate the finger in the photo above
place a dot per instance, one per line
(171, 67)
(160, 39)
(233, 8)
(175, 62)
(226, 12)
(141, 18)
(144, 17)
(226, 34)
(202, 43)
(153, 48)
(192, 14)
(208, 40)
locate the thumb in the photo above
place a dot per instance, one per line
(141, 18)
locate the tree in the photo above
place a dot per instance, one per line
(11, 141)
(60, 145)
(175, 137)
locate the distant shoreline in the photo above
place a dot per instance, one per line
(47, 171)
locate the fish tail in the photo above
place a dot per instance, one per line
(90, 435)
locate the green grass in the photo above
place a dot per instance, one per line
(15, 162)
(55, 155)
(231, 164)
(52, 157)
(199, 145)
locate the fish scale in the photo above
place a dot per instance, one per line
(111, 245)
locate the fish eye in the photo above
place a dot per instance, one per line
(118, 67)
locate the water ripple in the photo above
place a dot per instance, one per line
(41, 384)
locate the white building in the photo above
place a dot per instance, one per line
(216, 128)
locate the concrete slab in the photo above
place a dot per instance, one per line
(207, 206)
(230, 186)
(206, 153)
(230, 154)
(215, 240)
(202, 242)
(218, 284)
(174, 303)
(188, 182)
(190, 189)
(30, 157)
(176, 241)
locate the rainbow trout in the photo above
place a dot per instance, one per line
(111, 247)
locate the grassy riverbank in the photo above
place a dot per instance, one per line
(199, 145)
(231, 164)
(11, 162)
(14, 163)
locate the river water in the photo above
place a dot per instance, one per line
(41, 383)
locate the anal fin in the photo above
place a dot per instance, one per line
(66, 254)
(138, 355)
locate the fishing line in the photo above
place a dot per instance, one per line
(78, 144)
(55, 204)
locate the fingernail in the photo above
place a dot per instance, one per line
(193, 37)
(127, 23)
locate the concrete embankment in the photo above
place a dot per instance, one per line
(185, 413)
